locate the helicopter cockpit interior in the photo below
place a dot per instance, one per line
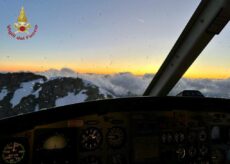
(149, 129)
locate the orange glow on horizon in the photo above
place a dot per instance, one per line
(190, 74)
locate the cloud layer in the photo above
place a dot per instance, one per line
(121, 84)
(127, 84)
(209, 87)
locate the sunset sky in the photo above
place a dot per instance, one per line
(105, 36)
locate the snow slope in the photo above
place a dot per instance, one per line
(3, 93)
(71, 98)
(25, 90)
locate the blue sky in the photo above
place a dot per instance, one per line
(96, 35)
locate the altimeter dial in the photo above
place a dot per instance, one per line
(13, 152)
(91, 138)
(116, 137)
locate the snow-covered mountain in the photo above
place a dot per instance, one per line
(28, 92)
(120, 84)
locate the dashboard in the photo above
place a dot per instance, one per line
(121, 131)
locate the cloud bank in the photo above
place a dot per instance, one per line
(120, 84)
(208, 87)
(127, 84)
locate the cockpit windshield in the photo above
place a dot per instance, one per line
(57, 52)
(210, 73)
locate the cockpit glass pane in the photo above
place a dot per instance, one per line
(210, 73)
(59, 52)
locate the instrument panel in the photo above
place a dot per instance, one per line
(124, 138)
(142, 130)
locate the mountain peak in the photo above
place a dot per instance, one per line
(28, 92)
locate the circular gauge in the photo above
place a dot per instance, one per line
(13, 152)
(203, 136)
(192, 151)
(55, 142)
(116, 137)
(91, 160)
(169, 138)
(91, 138)
(192, 137)
(180, 152)
(118, 159)
(217, 156)
(203, 150)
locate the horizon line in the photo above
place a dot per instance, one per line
(187, 76)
